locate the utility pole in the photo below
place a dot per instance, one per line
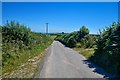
(46, 28)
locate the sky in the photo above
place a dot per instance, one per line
(60, 0)
(61, 16)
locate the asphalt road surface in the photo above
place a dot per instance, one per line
(63, 62)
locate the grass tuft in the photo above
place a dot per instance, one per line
(87, 53)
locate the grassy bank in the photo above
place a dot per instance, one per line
(21, 57)
(25, 61)
(87, 53)
(19, 44)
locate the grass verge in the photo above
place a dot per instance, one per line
(17, 60)
(53, 36)
(87, 53)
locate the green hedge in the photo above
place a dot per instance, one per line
(107, 54)
(19, 43)
(82, 36)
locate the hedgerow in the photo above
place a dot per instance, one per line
(19, 43)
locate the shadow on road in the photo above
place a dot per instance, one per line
(97, 69)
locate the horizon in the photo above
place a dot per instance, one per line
(62, 16)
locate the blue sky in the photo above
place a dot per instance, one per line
(60, 0)
(61, 16)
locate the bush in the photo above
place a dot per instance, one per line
(107, 54)
(79, 38)
(18, 40)
(78, 45)
(67, 39)
(88, 41)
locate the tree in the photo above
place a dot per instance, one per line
(63, 33)
(82, 32)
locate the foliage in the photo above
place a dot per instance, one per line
(106, 45)
(78, 45)
(107, 54)
(79, 38)
(87, 53)
(88, 41)
(19, 43)
(81, 33)
(67, 39)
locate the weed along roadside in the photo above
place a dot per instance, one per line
(87, 53)
(30, 68)
(22, 50)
